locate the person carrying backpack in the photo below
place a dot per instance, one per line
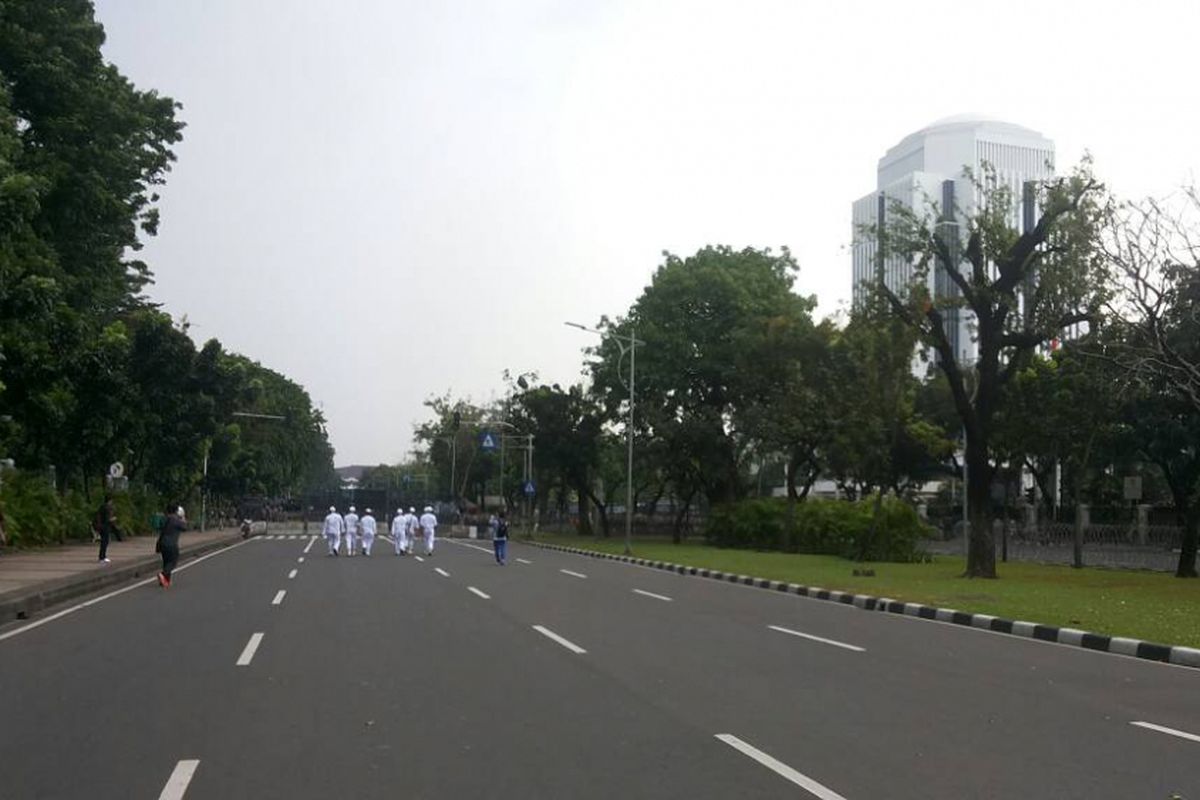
(168, 544)
(500, 539)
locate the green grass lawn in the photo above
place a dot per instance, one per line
(1143, 605)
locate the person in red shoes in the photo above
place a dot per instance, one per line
(168, 544)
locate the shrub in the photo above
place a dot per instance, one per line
(36, 515)
(830, 527)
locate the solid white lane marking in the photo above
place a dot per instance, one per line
(652, 594)
(523, 561)
(292, 574)
(181, 776)
(248, 652)
(311, 541)
(441, 572)
(278, 597)
(130, 588)
(809, 636)
(418, 558)
(572, 574)
(1169, 731)
(779, 768)
(549, 634)
(473, 590)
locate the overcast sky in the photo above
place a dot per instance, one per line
(386, 200)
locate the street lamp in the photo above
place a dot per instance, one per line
(627, 345)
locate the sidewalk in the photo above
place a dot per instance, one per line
(32, 580)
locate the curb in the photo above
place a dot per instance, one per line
(1150, 651)
(22, 604)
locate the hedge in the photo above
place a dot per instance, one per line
(830, 527)
(35, 514)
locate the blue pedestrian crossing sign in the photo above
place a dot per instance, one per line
(487, 441)
(529, 489)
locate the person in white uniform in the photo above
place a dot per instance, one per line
(351, 531)
(367, 524)
(429, 528)
(400, 532)
(410, 527)
(333, 530)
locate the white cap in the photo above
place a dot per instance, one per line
(332, 509)
(412, 510)
(368, 511)
(428, 509)
(351, 509)
(399, 510)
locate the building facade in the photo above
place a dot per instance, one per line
(929, 171)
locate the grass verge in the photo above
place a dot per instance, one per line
(1152, 606)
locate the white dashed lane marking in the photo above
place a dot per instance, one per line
(812, 638)
(1150, 726)
(181, 776)
(779, 768)
(251, 648)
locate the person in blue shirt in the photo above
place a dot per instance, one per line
(500, 539)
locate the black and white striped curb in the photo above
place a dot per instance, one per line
(1181, 656)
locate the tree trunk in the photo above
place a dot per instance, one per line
(585, 517)
(1191, 537)
(981, 549)
(677, 528)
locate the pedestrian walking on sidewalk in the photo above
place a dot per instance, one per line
(500, 539)
(105, 525)
(429, 528)
(367, 523)
(168, 544)
(333, 530)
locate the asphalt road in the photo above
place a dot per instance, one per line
(563, 677)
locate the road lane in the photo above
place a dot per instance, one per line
(936, 694)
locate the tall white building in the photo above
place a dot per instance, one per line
(926, 171)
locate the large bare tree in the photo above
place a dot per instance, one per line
(1154, 248)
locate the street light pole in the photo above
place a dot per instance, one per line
(630, 348)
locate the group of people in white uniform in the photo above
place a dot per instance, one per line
(355, 530)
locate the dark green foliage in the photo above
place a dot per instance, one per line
(823, 527)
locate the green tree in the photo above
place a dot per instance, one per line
(1021, 289)
(704, 320)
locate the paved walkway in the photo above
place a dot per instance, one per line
(34, 579)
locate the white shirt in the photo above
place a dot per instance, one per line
(368, 525)
(410, 522)
(399, 524)
(351, 521)
(428, 522)
(333, 523)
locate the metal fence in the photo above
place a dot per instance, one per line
(1127, 545)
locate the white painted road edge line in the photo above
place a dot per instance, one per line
(572, 574)
(843, 645)
(278, 597)
(251, 647)
(472, 546)
(524, 561)
(781, 769)
(292, 574)
(94, 600)
(311, 541)
(473, 590)
(1170, 731)
(652, 594)
(441, 572)
(549, 634)
(181, 776)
